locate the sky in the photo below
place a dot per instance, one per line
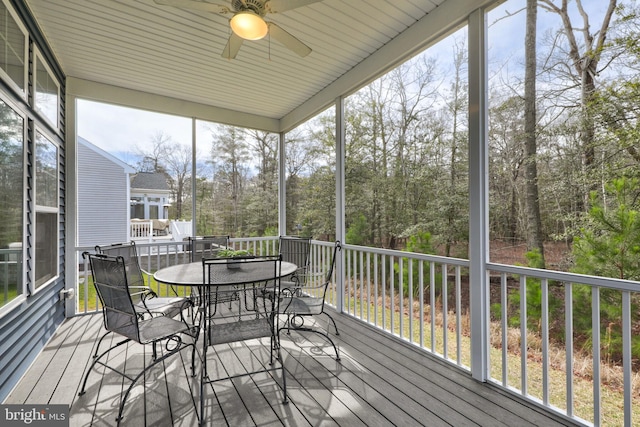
(124, 131)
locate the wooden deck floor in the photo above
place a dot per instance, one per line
(379, 382)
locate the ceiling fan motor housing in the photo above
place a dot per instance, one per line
(256, 6)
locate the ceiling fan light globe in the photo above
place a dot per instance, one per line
(249, 25)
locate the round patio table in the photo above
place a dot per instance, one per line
(192, 274)
(195, 275)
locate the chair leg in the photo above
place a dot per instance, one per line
(95, 355)
(332, 321)
(155, 361)
(96, 360)
(193, 358)
(284, 378)
(299, 327)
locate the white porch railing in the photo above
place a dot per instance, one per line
(424, 300)
(419, 298)
(141, 229)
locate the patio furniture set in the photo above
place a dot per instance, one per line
(243, 299)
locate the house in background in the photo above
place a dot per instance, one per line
(150, 200)
(149, 196)
(103, 188)
(118, 203)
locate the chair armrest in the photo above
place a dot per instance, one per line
(145, 291)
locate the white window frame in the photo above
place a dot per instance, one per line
(25, 55)
(39, 60)
(8, 308)
(46, 209)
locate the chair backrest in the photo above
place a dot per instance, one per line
(296, 250)
(206, 246)
(252, 314)
(110, 280)
(129, 254)
(336, 247)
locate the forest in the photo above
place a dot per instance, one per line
(563, 148)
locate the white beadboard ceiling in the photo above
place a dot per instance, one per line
(176, 53)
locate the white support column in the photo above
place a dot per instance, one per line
(340, 198)
(71, 259)
(478, 196)
(282, 187)
(194, 189)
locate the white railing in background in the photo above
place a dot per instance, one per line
(424, 300)
(140, 229)
(180, 230)
(10, 274)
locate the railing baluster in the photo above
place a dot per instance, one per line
(545, 340)
(368, 263)
(384, 292)
(504, 301)
(361, 271)
(523, 335)
(421, 296)
(410, 289)
(392, 293)
(401, 294)
(352, 284)
(595, 336)
(568, 304)
(376, 283)
(432, 303)
(458, 317)
(445, 309)
(626, 357)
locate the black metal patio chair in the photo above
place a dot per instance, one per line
(207, 247)
(145, 300)
(122, 317)
(295, 250)
(254, 317)
(307, 299)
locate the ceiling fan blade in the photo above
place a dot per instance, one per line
(288, 40)
(195, 5)
(277, 6)
(233, 46)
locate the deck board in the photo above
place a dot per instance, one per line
(380, 381)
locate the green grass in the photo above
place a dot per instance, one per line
(12, 292)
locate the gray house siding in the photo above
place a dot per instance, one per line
(26, 327)
(103, 207)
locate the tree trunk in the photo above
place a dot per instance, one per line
(534, 224)
(585, 64)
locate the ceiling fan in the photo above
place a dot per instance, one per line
(247, 21)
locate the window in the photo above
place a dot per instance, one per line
(137, 207)
(11, 200)
(153, 212)
(46, 232)
(47, 92)
(13, 48)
